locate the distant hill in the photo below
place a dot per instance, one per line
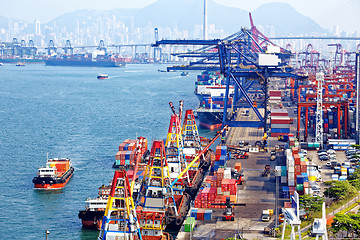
(184, 14)
(285, 19)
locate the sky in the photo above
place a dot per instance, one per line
(325, 12)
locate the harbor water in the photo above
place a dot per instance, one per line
(68, 112)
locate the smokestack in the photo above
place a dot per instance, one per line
(205, 19)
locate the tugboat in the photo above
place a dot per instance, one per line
(183, 74)
(20, 64)
(102, 76)
(54, 175)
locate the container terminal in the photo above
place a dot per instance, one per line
(286, 127)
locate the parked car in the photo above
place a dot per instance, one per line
(330, 151)
(350, 152)
(304, 151)
(322, 154)
(321, 151)
(323, 158)
(354, 160)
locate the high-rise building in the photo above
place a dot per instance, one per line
(37, 27)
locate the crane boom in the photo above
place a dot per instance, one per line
(198, 156)
(138, 159)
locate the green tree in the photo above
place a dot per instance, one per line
(310, 203)
(350, 223)
(339, 190)
(355, 175)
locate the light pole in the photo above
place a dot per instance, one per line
(47, 233)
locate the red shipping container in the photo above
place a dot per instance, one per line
(212, 194)
(287, 204)
(276, 134)
(200, 214)
(297, 161)
(233, 192)
(297, 170)
(303, 168)
(295, 150)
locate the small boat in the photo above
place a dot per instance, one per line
(183, 74)
(55, 175)
(102, 76)
(20, 64)
(1, 64)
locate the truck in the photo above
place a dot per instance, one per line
(266, 215)
(283, 138)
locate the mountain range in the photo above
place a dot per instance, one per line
(184, 14)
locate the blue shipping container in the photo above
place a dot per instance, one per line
(208, 214)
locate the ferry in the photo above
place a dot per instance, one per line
(102, 76)
(55, 175)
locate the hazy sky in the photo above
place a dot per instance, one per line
(325, 12)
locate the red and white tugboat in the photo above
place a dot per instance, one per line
(54, 175)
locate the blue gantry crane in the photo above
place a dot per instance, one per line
(245, 58)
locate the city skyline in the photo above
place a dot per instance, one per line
(328, 13)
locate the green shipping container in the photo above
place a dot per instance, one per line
(310, 144)
(299, 187)
(189, 224)
(316, 145)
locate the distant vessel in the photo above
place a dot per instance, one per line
(16, 59)
(210, 90)
(102, 76)
(1, 64)
(94, 59)
(54, 175)
(184, 74)
(20, 64)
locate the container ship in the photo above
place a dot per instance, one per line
(94, 59)
(55, 175)
(169, 180)
(210, 90)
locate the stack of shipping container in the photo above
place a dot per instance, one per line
(274, 96)
(220, 159)
(280, 122)
(127, 152)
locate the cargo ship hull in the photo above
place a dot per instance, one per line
(53, 182)
(91, 219)
(83, 63)
(210, 119)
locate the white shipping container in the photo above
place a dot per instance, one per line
(291, 164)
(291, 176)
(283, 179)
(291, 183)
(306, 191)
(291, 169)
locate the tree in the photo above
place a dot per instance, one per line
(346, 222)
(355, 175)
(339, 190)
(310, 203)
